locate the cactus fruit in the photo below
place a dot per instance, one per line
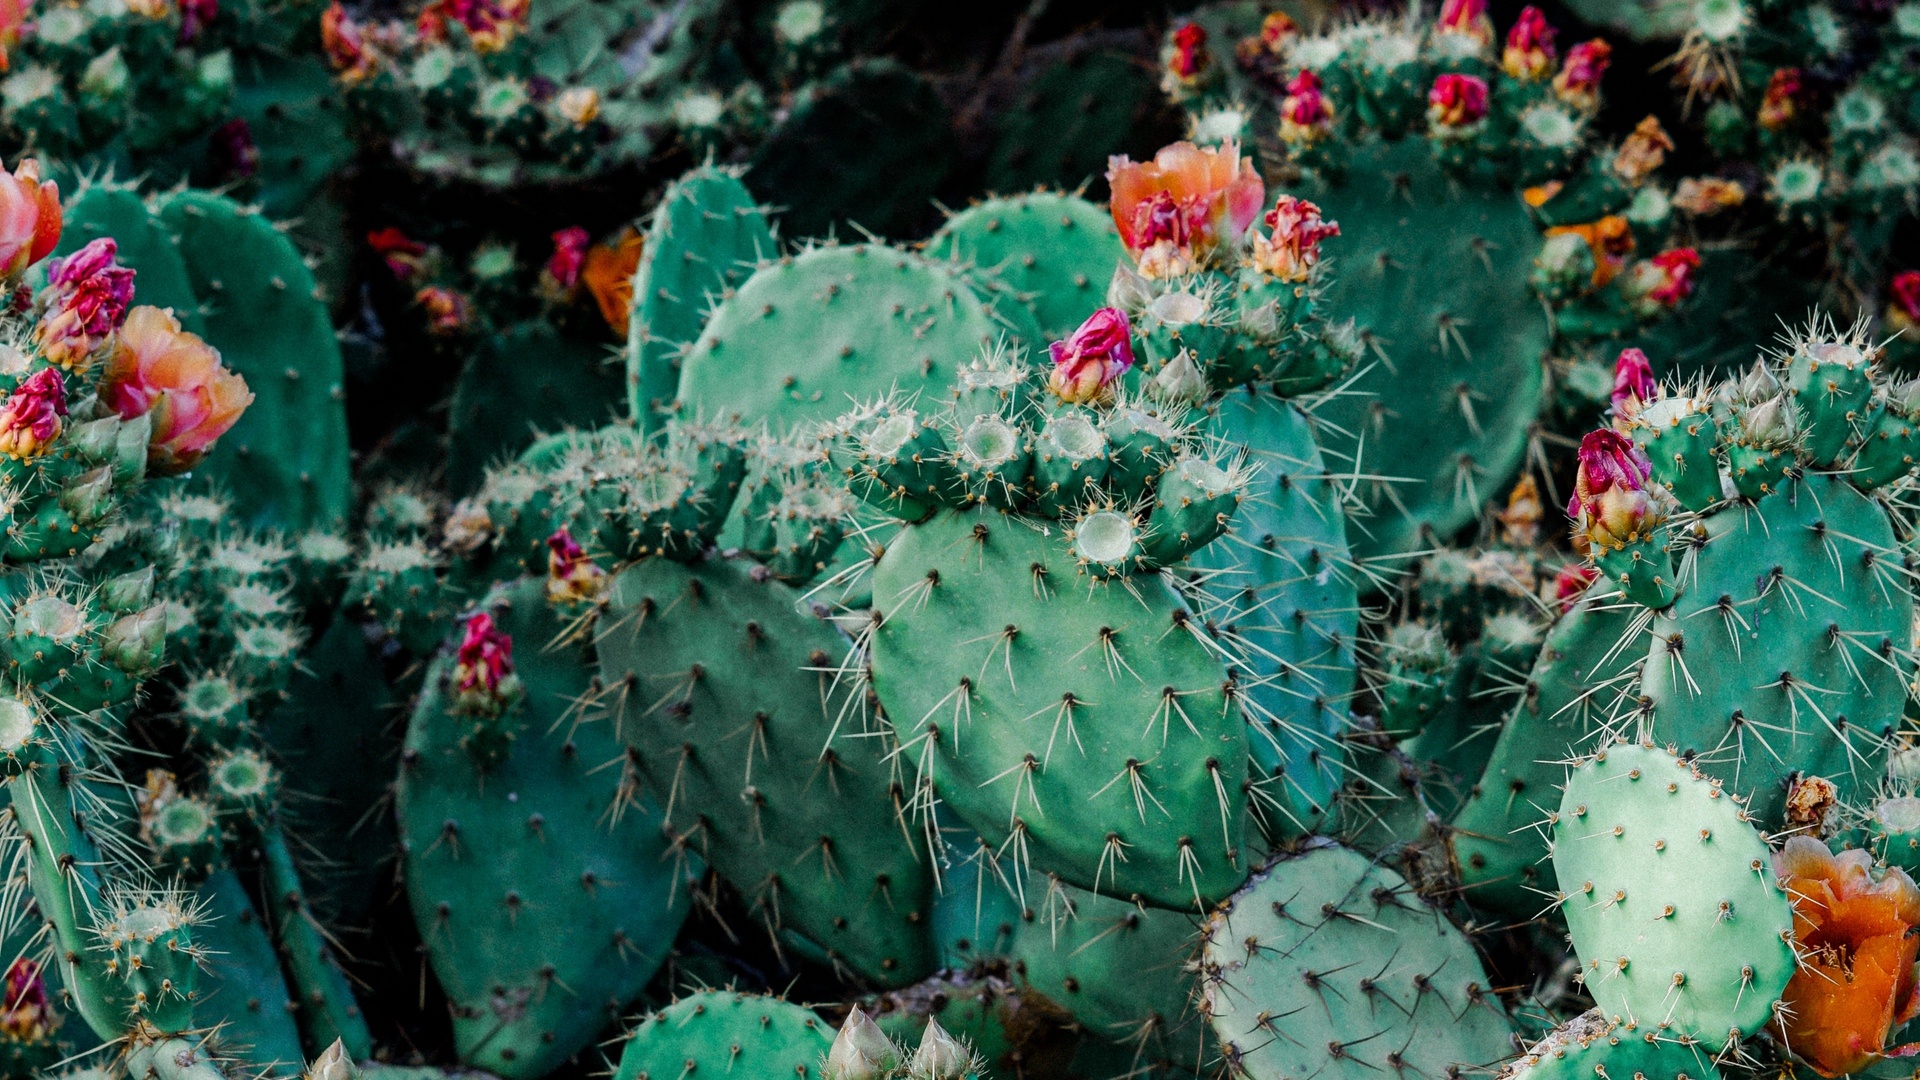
(1670, 894)
(1350, 964)
(508, 859)
(723, 1030)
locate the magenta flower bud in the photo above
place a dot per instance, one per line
(1091, 358)
(571, 575)
(483, 679)
(1611, 504)
(569, 255)
(1457, 101)
(1633, 384)
(87, 298)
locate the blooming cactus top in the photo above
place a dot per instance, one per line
(171, 374)
(1292, 249)
(1092, 357)
(1175, 211)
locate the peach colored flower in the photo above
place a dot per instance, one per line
(161, 370)
(1175, 211)
(1092, 357)
(30, 218)
(1293, 249)
(1855, 983)
(609, 274)
(31, 418)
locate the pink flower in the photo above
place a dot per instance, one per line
(195, 16)
(1633, 384)
(482, 668)
(1903, 307)
(1457, 101)
(1782, 101)
(1658, 285)
(1293, 249)
(30, 218)
(1305, 116)
(571, 576)
(447, 311)
(1189, 56)
(161, 370)
(1611, 505)
(569, 255)
(1529, 54)
(87, 297)
(26, 1016)
(1467, 17)
(1578, 83)
(1091, 358)
(30, 419)
(403, 255)
(1173, 212)
(1571, 583)
(489, 25)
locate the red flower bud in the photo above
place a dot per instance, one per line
(1457, 101)
(86, 299)
(1782, 101)
(1467, 17)
(1093, 357)
(1611, 504)
(1903, 308)
(1189, 57)
(1304, 114)
(482, 668)
(1578, 83)
(1293, 248)
(30, 419)
(571, 576)
(1633, 384)
(1529, 54)
(569, 255)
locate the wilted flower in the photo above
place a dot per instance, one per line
(1903, 302)
(1187, 60)
(31, 418)
(1529, 54)
(1457, 101)
(571, 576)
(1706, 195)
(1293, 248)
(1578, 83)
(1175, 210)
(1642, 152)
(162, 371)
(30, 218)
(483, 679)
(1092, 357)
(579, 105)
(609, 275)
(1854, 985)
(403, 255)
(569, 255)
(1520, 520)
(1611, 505)
(1781, 104)
(345, 44)
(86, 299)
(447, 311)
(1633, 384)
(1468, 17)
(26, 1014)
(1610, 239)
(1571, 584)
(234, 140)
(1305, 116)
(1659, 284)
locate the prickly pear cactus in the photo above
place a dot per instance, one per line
(1055, 252)
(521, 382)
(1589, 1045)
(721, 1030)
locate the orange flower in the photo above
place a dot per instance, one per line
(1176, 210)
(13, 19)
(1611, 240)
(342, 39)
(1855, 983)
(609, 275)
(159, 369)
(29, 218)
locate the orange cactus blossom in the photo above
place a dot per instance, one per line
(160, 370)
(1855, 984)
(1175, 211)
(609, 274)
(29, 218)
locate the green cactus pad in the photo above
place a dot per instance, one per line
(285, 462)
(1284, 581)
(724, 1033)
(1071, 116)
(1100, 744)
(521, 381)
(1589, 1046)
(704, 239)
(1779, 659)
(1326, 965)
(241, 987)
(808, 336)
(1056, 252)
(1439, 286)
(1671, 897)
(725, 689)
(542, 887)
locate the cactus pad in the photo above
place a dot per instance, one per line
(724, 1033)
(1056, 252)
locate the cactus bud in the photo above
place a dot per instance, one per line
(1658, 285)
(940, 1056)
(88, 497)
(1903, 302)
(26, 1013)
(1578, 83)
(1456, 104)
(1612, 504)
(483, 680)
(333, 1064)
(1092, 357)
(1529, 54)
(1633, 385)
(1305, 116)
(1770, 423)
(1293, 249)
(137, 643)
(31, 418)
(861, 1051)
(572, 577)
(129, 592)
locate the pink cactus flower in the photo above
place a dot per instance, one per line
(26, 1014)
(30, 218)
(569, 255)
(1175, 211)
(1305, 116)
(87, 297)
(1092, 357)
(1633, 384)
(1467, 17)
(1188, 58)
(1903, 302)
(1529, 54)
(448, 312)
(1781, 103)
(1293, 248)
(195, 16)
(489, 25)
(161, 370)
(1611, 504)
(571, 576)
(1457, 101)
(1578, 83)
(483, 682)
(404, 256)
(1571, 584)
(31, 418)
(1658, 285)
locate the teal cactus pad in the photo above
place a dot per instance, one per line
(724, 686)
(160, 277)
(1435, 276)
(1284, 580)
(300, 128)
(1326, 965)
(703, 241)
(1581, 684)
(807, 337)
(724, 1033)
(1055, 252)
(285, 462)
(241, 987)
(522, 381)
(1799, 673)
(1588, 1046)
(1099, 744)
(1671, 897)
(1070, 117)
(542, 887)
